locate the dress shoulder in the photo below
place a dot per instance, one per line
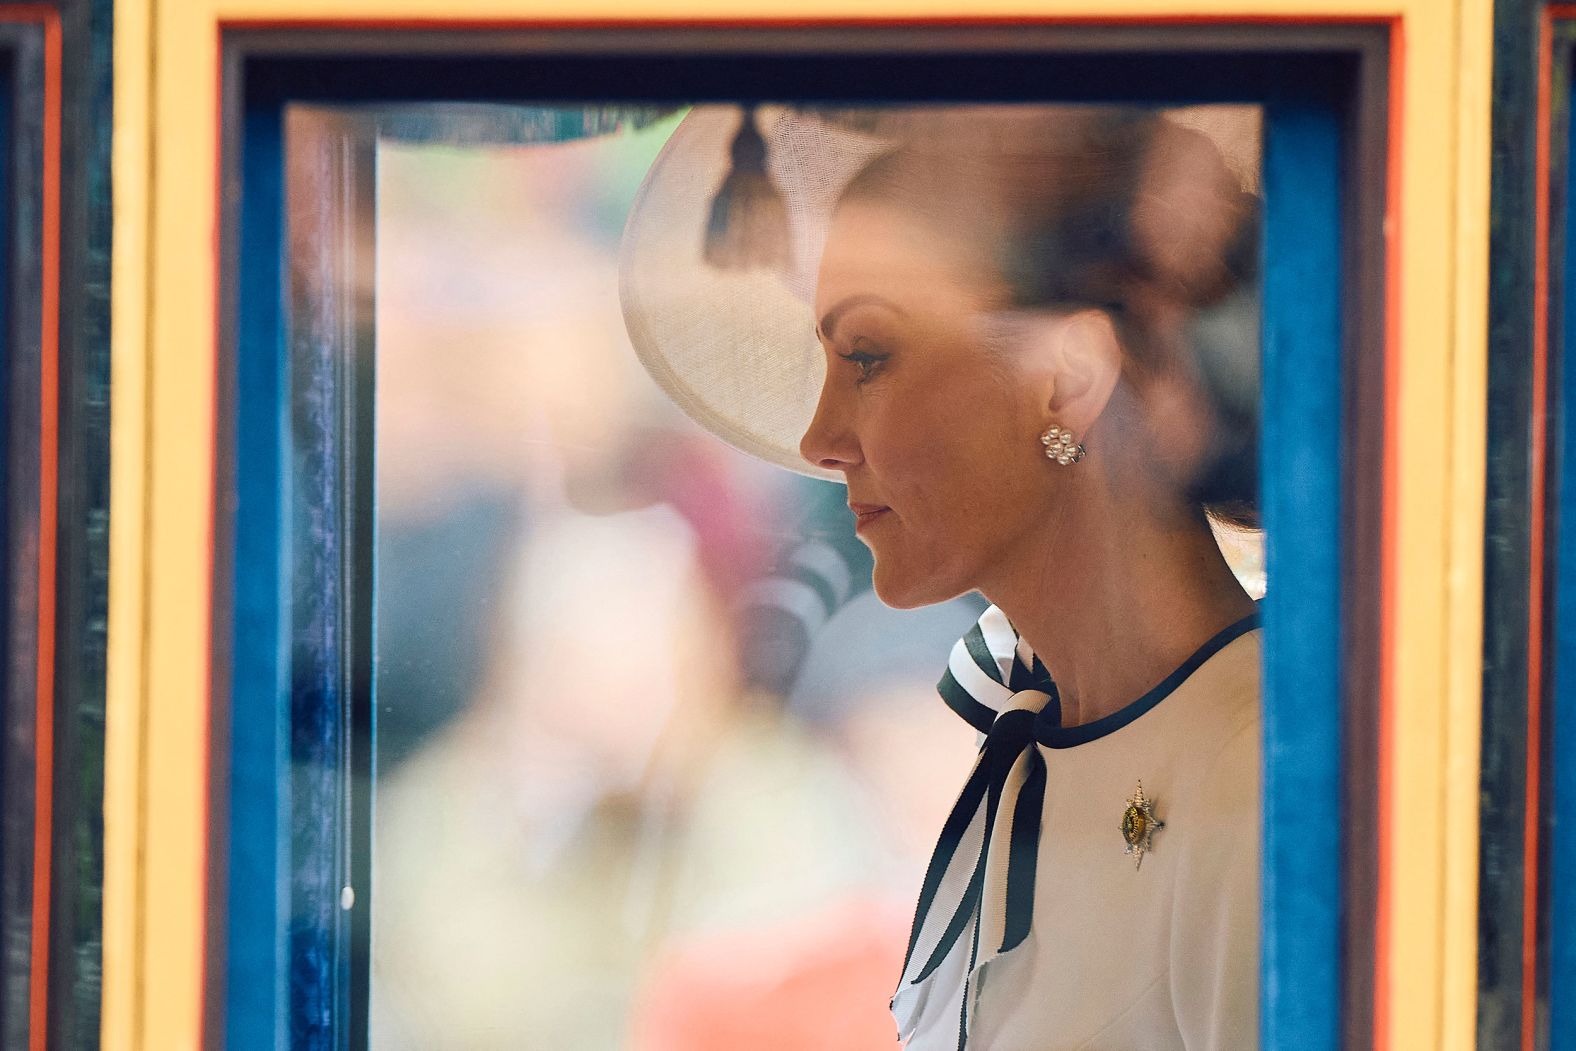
(1215, 915)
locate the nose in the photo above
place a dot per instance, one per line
(829, 442)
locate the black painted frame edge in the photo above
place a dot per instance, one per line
(1507, 539)
(82, 576)
(216, 878)
(22, 45)
(1563, 54)
(1364, 328)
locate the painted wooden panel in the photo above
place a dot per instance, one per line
(165, 293)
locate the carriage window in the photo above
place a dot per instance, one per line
(652, 757)
(648, 743)
(703, 571)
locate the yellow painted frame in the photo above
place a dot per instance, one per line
(163, 369)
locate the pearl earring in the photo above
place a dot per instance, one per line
(1059, 446)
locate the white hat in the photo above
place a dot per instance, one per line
(723, 243)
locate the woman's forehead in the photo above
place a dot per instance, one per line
(875, 250)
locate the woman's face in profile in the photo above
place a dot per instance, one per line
(935, 430)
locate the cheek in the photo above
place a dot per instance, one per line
(952, 463)
(913, 450)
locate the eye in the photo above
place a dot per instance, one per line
(864, 359)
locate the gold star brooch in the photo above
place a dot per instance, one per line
(1139, 825)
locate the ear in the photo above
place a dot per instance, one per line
(1085, 357)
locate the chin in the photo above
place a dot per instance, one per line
(905, 590)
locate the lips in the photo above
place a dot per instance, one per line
(866, 513)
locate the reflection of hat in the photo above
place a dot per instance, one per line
(735, 348)
(723, 244)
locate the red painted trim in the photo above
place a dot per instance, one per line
(784, 22)
(48, 487)
(1390, 504)
(48, 497)
(1537, 456)
(210, 996)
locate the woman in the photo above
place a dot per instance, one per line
(1027, 393)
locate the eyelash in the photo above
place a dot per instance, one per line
(863, 360)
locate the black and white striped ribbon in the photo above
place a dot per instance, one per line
(814, 583)
(780, 615)
(977, 899)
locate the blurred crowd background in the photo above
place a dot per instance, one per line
(655, 769)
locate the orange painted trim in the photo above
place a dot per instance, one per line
(48, 499)
(1389, 532)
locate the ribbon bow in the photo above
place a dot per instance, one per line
(982, 872)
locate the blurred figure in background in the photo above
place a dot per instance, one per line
(591, 622)
(656, 769)
(824, 974)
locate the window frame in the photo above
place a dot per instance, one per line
(1296, 840)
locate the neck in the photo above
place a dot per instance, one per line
(1113, 600)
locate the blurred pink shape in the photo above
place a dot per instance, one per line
(818, 983)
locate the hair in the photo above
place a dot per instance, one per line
(1117, 208)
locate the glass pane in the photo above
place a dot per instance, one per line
(656, 765)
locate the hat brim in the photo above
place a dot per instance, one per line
(735, 349)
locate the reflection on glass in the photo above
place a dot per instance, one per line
(631, 789)
(656, 768)
(906, 299)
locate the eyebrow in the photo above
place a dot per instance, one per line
(823, 330)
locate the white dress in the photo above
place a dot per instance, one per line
(1044, 935)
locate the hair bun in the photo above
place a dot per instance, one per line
(1192, 222)
(1196, 221)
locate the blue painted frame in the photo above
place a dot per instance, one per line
(299, 722)
(259, 798)
(1302, 504)
(1303, 460)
